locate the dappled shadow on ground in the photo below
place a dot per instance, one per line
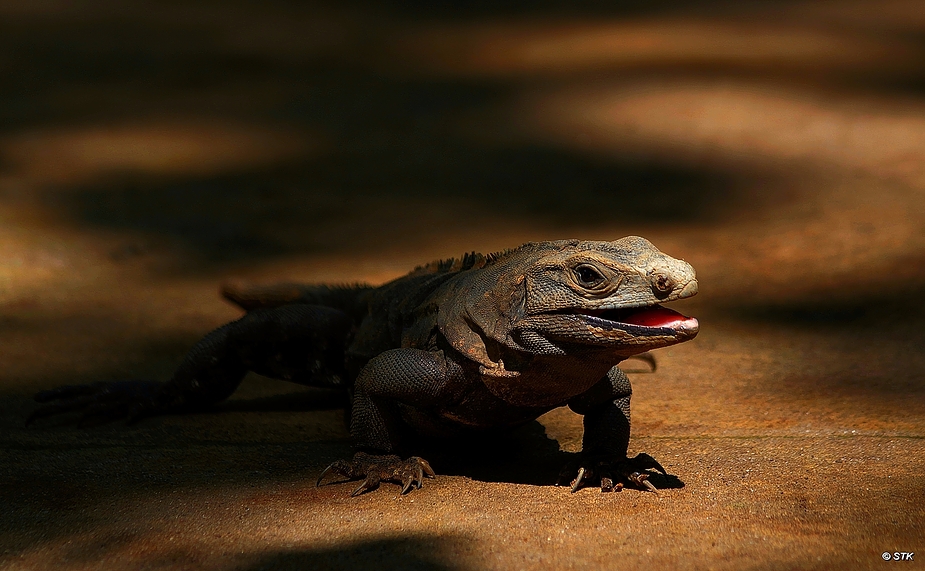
(92, 505)
(525, 455)
(397, 553)
(778, 147)
(339, 137)
(57, 477)
(265, 215)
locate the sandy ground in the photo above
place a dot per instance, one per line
(148, 154)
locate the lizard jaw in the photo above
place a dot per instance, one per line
(649, 321)
(624, 331)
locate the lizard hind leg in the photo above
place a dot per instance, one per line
(300, 343)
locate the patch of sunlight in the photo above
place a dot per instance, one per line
(836, 208)
(546, 47)
(78, 155)
(724, 122)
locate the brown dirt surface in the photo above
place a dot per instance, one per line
(150, 151)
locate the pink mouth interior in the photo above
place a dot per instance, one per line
(656, 316)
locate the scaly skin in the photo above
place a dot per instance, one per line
(480, 342)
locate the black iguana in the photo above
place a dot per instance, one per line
(480, 342)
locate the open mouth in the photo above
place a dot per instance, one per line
(649, 320)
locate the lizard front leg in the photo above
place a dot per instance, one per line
(400, 377)
(606, 410)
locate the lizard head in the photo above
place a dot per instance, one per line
(605, 294)
(544, 297)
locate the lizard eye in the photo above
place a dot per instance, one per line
(588, 276)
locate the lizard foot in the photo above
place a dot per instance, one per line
(102, 402)
(374, 469)
(613, 475)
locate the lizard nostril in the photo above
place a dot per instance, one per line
(662, 283)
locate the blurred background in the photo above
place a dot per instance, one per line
(151, 150)
(776, 145)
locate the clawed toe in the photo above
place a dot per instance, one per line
(642, 479)
(576, 483)
(614, 475)
(406, 484)
(370, 483)
(373, 469)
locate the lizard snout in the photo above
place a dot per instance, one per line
(673, 282)
(689, 289)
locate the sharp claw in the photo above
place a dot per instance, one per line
(360, 489)
(612, 474)
(642, 479)
(406, 485)
(325, 473)
(409, 474)
(577, 482)
(427, 469)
